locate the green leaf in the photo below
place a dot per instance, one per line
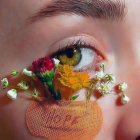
(74, 97)
(48, 76)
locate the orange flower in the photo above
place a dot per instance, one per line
(66, 70)
(68, 82)
(71, 79)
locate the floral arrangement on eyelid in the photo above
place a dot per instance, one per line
(62, 82)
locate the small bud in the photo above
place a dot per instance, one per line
(123, 87)
(102, 66)
(124, 99)
(12, 94)
(23, 85)
(35, 93)
(110, 78)
(14, 72)
(56, 61)
(5, 82)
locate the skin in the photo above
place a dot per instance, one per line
(20, 44)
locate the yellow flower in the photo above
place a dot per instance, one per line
(68, 82)
(71, 79)
(84, 80)
(66, 70)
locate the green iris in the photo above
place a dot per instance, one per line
(70, 56)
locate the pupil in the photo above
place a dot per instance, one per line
(69, 52)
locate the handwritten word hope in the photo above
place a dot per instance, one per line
(58, 118)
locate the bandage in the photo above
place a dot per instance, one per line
(75, 121)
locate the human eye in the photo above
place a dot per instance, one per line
(80, 54)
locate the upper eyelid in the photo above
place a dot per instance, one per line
(78, 43)
(88, 38)
(82, 44)
(74, 44)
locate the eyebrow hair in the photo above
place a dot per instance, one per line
(100, 9)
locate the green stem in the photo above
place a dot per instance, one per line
(51, 87)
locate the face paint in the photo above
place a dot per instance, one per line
(72, 122)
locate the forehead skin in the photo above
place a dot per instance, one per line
(16, 37)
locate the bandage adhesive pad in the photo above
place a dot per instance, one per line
(75, 121)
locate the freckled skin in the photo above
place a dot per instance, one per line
(20, 44)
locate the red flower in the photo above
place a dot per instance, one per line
(42, 65)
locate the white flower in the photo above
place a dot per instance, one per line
(56, 61)
(123, 87)
(23, 85)
(99, 75)
(12, 94)
(28, 73)
(104, 88)
(124, 99)
(110, 77)
(5, 82)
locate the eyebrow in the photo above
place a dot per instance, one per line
(99, 9)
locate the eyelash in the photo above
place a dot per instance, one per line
(77, 44)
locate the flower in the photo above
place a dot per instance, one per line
(124, 99)
(123, 86)
(44, 69)
(56, 62)
(66, 70)
(12, 94)
(68, 82)
(99, 75)
(28, 73)
(5, 82)
(103, 88)
(42, 65)
(73, 80)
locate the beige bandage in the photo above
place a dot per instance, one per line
(75, 121)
